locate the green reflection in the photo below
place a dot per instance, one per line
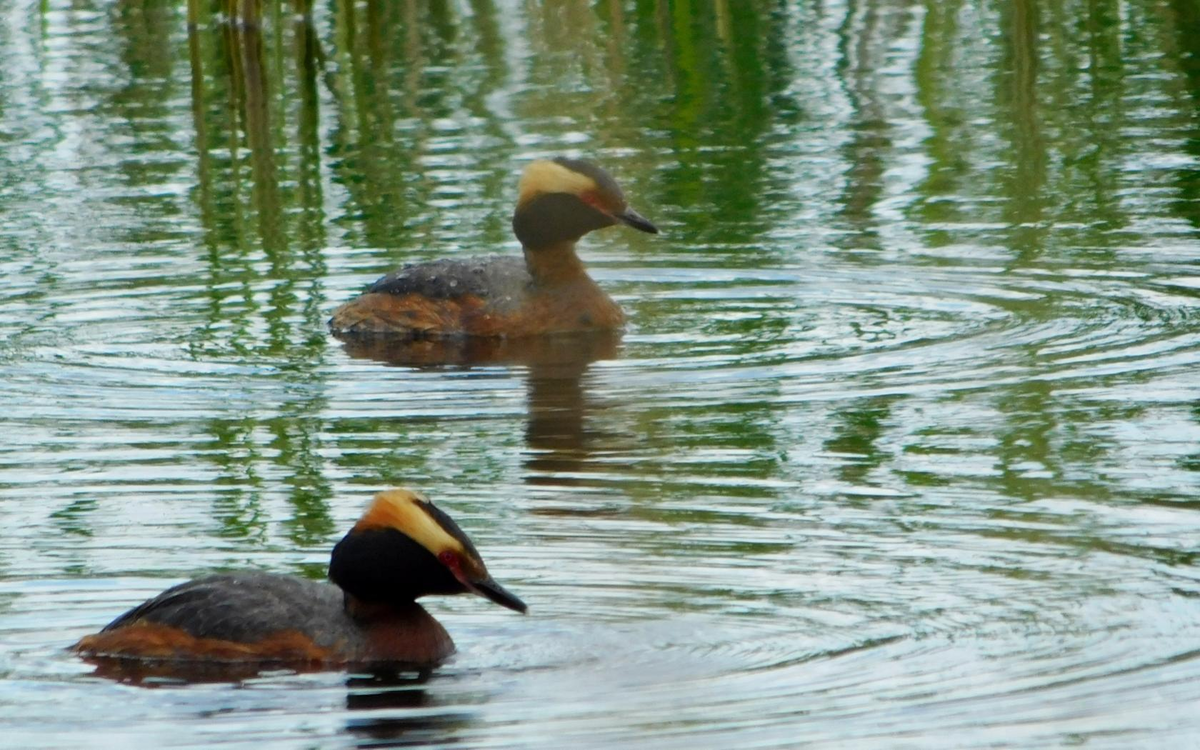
(1184, 47)
(857, 441)
(261, 203)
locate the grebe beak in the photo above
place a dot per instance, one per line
(489, 589)
(637, 221)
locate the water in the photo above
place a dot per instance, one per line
(901, 448)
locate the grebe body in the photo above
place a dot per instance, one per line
(546, 292)
(402, 548)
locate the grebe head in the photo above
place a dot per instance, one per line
(561, 200)
(403, 548)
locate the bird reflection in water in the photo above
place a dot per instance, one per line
(397, 709)
(558, 443)
(401, 712)
(166, 672)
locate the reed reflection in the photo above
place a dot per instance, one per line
(862, 425)
(869, 149)
(949, 143)
(1185, 15)
(139, 101)
(1017, 92)
(238, 74)
(720, 97)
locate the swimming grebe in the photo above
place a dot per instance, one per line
(401, 549)
(558, 202)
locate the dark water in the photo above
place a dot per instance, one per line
(901, 448)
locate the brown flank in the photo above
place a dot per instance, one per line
(576, 306)
(145, 640)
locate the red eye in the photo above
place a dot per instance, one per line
(593, 200)
(448, 558)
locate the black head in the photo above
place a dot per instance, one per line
(403, 548)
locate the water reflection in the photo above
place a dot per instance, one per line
(399, 710)
(402, 712)
(264, 266)
(856, 440)
(557, 441)
(1186, 26)
(862, 67)
(1017, 92)
(163, 674)
(1007, 373)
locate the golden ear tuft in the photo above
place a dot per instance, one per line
(542, 177)
(403, 510)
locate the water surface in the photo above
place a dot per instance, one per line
(901, 447)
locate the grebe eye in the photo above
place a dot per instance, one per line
(447, 558)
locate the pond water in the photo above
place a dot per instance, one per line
(901, 447)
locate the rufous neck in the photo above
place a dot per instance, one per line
(400, 633)
(554, 264)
